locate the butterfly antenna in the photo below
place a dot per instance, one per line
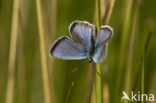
(77, 67)
(98, 73)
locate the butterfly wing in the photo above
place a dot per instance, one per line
(65, 48)
(104, 36)
(83, 33)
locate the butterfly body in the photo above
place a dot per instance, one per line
(83, 43)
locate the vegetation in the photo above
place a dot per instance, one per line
(29, 75)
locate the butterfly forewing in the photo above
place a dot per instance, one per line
(83, 33)
(65, 48)
(104, 35)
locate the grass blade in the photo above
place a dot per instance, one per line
(21, 71)
(91, 76)
(98, 80)
(12, 53)
(98, 14)
(98, 85)
(108, 7)
(130, 53)
(69, 92)
(143, 63)
(46, 83)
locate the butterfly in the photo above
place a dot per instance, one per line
(83, 43)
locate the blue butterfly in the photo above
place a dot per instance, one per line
(84, 43)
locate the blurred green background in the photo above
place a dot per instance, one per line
(132, 48)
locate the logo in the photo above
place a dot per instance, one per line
(137, 96)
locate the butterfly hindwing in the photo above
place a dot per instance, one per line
(65, 48)
(104, 35)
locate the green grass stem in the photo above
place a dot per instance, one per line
(98, 83)
(142, 76)
(130, 52)
(143, 63)
(99, 87)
